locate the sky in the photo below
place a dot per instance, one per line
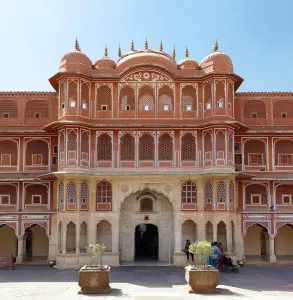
(256, 34)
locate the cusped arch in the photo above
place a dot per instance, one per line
(282, 225)
(256, 224)
(27, 226)
(8, 225)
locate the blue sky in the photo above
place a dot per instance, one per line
(256, 34)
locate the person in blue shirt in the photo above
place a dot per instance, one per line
(216, 255)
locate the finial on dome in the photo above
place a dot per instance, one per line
(174, 53)
(119, 51)
(77, 48)
(146, 44)
(216, 46)
(132, 46)
(186, 52)
(106, 51)
(161, 46)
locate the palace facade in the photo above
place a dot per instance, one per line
(142, 154)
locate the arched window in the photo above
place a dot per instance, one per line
(146, 98)
(166, 99)
(104, 147)
(72, 94)
(61, 195)
(231, 194)
(127, 147)
(72, 145)
(62, 93)
(165, 147)
(221, 192)
(208, 147)
(127, 98)
(283, 109)
(71, 195)
(220, 93)
(207, 96)
(220, 144)
(188, 147)
(146, 205)
(37, 109)
(85, 96)
(146, 147)
(253, 109)
(188, 192)
(84, 147)
(104, 195)
(84, 195)
(61, 148)
(208, 192)
(104, 98)
(188, 98)
(8, 109)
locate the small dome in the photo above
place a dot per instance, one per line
(220, 62)
(105, 62)
(188, 63)
(76, 57)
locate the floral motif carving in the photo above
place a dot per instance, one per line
(167, 188)
(124, 188)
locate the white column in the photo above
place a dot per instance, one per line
(20, 249)
(51, 248)
(64, 227)
(177, 234)
(115, 236)
(77, 236)
(272, 248)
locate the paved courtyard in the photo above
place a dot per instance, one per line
(33, 282)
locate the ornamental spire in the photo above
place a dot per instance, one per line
(161, 46)
(146, 44)
(132, 46)
(106, 51)
(119, 51)
(174, 53)
(77, 48)
(216, 46)
(186, 52)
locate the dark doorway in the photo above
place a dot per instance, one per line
(146, 242)
(29, 244)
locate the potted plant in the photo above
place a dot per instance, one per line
(201, 277)
(95, 278)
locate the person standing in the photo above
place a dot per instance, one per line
(221, 258)
(215, 255)
(186, 249)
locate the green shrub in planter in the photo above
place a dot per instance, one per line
(201, 251)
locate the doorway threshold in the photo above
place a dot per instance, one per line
(146, 263)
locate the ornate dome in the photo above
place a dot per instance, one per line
(188, 63)
(105, 62)
(76, 58)
(218, 60)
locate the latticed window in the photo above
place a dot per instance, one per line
(208, 146)
(61, 146)
(230, 145)
(188, 192)
(8, 107)
(188, 98)
(253, 107)
(72, 144)
(208, 192)
(146, 98)
(221, 192)
(165, 147)
(283, 107)
(220, 144)
(104, 192)
(84, 146)
(84, 193)
(8, 153)
(207, 95)
(85, 96)
(61, 193)
(146, 147)
(37, 109)
(231, 192)
(62, 95)
(127, 98)
(72, 92)
(230, 95)
(127, 147)
(104, 98)
(220, 92)
(166, 98)
(188, 147)
(104, 147)
(71, 192)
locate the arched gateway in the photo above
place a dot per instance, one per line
(146, 227)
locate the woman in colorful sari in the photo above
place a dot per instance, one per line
(215, 255)
(221, 258)
(209, 258)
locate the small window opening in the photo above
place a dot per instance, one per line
(146, 107)
(253, 115)
(166, 107)
(104, 107)
(229, 105)
(36, 199)
(55, 149)
(188, 107)
(284, 115)
(5, 116)
(62, 105)
(209, 106)
(54, 160)
(84, 105)
(72, 103)
(127, 107)
(37, 116)
(220, 104)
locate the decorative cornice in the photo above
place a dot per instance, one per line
(26, 94)
(264, 94)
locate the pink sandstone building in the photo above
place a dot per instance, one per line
(142, 154)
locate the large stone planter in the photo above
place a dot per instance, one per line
(94, 280)
(202, 280)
